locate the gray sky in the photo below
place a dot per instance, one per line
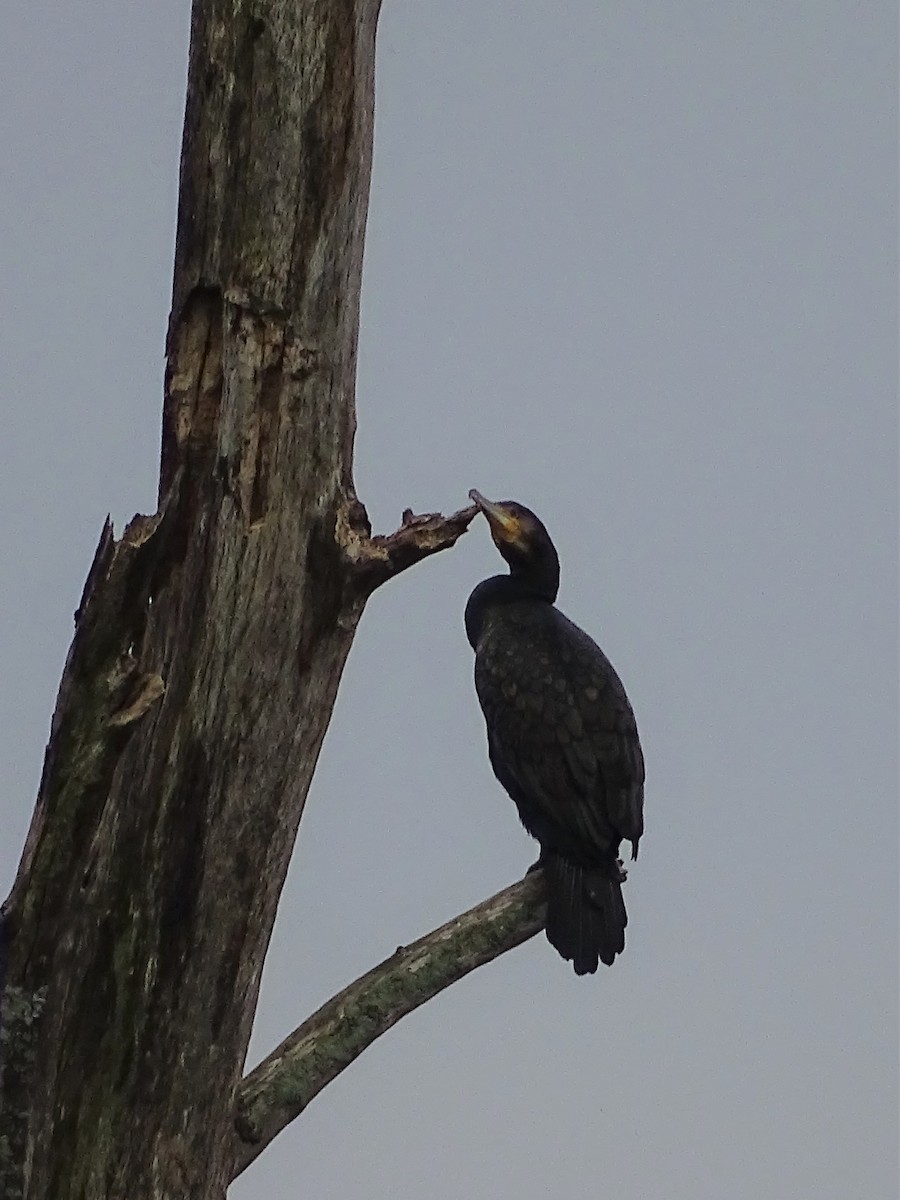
(633, 265)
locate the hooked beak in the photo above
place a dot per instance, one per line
(504, 527)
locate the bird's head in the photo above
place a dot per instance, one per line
(524, 542)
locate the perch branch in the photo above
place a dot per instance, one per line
(374, 560)
(279, 1089)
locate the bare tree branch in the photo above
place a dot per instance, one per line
(374, 560)
(279, 1089)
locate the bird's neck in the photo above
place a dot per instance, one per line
(501, 590)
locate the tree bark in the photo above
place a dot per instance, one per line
(209, 641)
(211, 636)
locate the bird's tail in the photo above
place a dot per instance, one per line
(586, 916)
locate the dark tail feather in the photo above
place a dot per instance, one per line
(586, 916)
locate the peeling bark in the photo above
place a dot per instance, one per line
(211, 637)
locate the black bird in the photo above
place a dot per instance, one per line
(562, 738)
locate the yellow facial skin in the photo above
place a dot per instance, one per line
(506, 525)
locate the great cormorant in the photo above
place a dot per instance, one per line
(562, 737)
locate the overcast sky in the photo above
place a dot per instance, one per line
(635, 266)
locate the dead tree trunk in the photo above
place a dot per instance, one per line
(208, 644)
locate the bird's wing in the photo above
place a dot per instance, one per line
(561, 733)
(610, 730)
